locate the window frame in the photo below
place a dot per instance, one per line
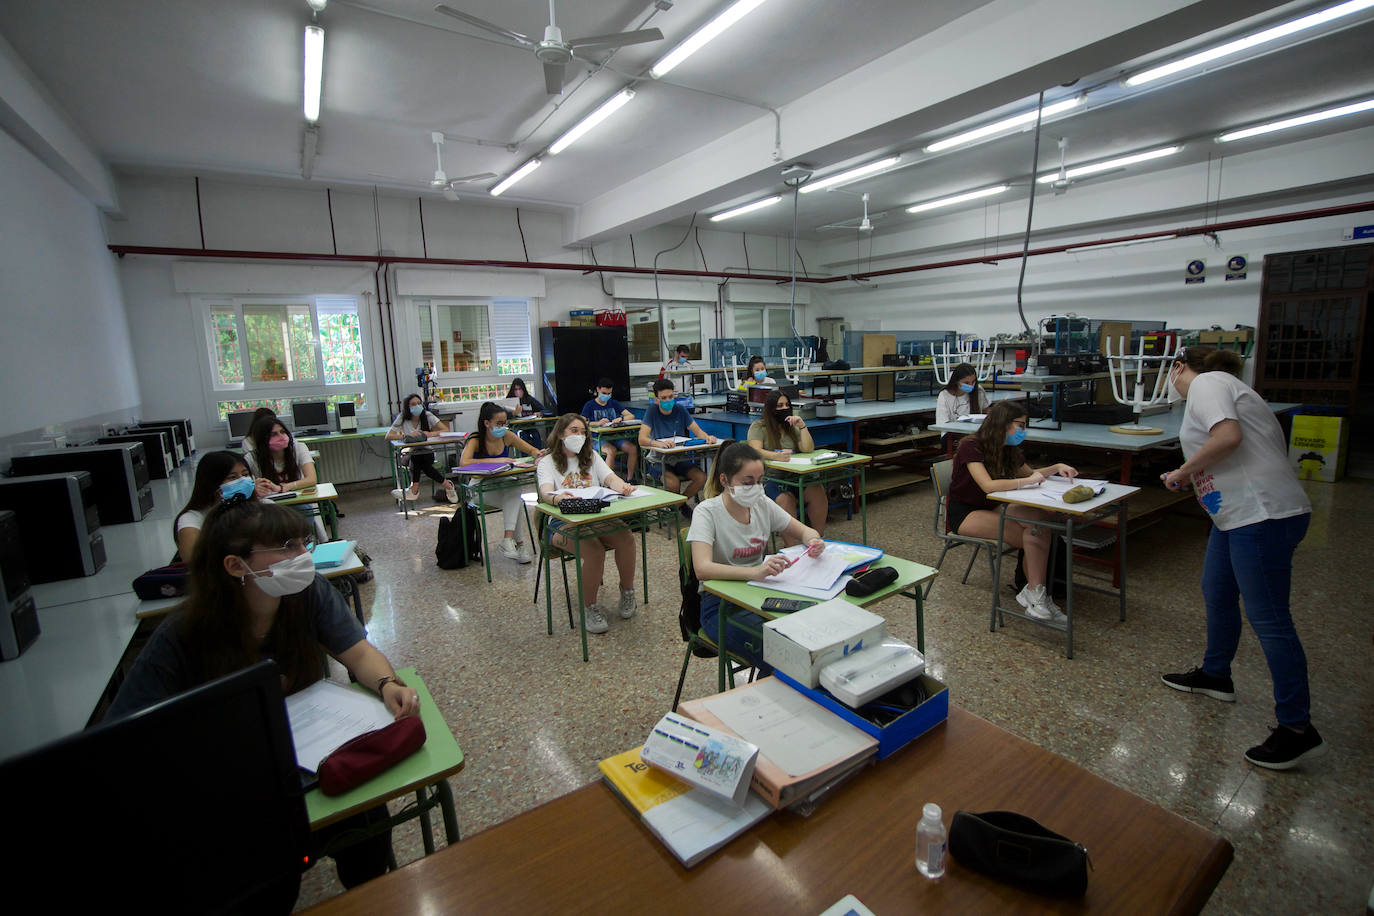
(479, 377)
(705, 317)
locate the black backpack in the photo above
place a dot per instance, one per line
(689, 614)
(450, 552)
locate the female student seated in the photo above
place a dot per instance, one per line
(756, 374)
(777, 435)
(572, 463)
(961, 395)
(212, 471)
(729, 532)
(492, 441)
(287, 465)
(990, 461)
(526, 406)
(415, 424)
(254, 594)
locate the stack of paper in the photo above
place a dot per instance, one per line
(602, 493)
(325, 715)
(814, 457)
(973, 418)
(821, 577)
(1051, 491)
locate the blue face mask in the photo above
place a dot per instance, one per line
(667, 406)
(760, 375)
(966, 389)
(241, 487)
(416, 409)
(1016, 438)
(499, 432)
(682, 360)
(602, 398)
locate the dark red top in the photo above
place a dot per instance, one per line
(962, 487)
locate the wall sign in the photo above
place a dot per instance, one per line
(1359, 232)
(1195, 272)
(1236, 266)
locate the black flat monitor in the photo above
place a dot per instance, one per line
(309, 418)
(193, 805)
(240, 421)
(791, 392)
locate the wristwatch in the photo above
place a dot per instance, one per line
(389, 679)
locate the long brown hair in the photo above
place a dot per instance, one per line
(211, 470)
(560, 454)
(776, 429)
(214, 619)
(261, 434)
(1210, 359)
(730, 457)
(1001, 460)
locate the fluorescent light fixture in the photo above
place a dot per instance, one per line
(997, 127)
(602, 112)
(958, 198)
(747, 208)
(513, 177)
(1103, 246)
(698, 39)
(1282, 30)
(1079, 171)
(1297, 121)
(314, 71)
(838, 178)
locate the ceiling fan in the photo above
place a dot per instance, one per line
(863, 224)
(552, 50)
(441, 181)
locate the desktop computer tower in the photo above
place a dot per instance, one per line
(119, 471)
(159, 460)
(178, 448)
(19, 626)
(346, 417)
(185, 435)
(59, 524)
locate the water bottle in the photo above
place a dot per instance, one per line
(930, 842)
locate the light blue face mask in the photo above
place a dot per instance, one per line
(667, 406)
(966, 389)
(1016, 438)
(760, 375)
(241, 487)
(416, 409)
(602, 398)
(499, 432)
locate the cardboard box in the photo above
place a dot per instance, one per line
(898, 732)
(1212, 338)
(804, 642)
(1317, 447)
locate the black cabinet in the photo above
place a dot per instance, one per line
(572, 359)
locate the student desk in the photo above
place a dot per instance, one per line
(477, 486)
(441, 445)
(628, 429)
(323, 498)
(910, 577)
(425, 773)
(536, 422)
(662, 457)
(637, 512)
(797, 476)
(1063, 518)
(859, 841)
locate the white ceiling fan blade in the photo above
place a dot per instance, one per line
(553, 78)
(484, 25)
(450, 194)
(619, 39)
(478, 176)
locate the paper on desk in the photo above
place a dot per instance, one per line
(601, 493)
(1051, 491)
(813, 457)
(811, 572)
(325, 715)
(796, 734)
(972, 418)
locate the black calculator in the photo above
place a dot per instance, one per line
(785, 605)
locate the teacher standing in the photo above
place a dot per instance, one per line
(1237, 464)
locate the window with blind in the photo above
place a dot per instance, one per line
(467, 337)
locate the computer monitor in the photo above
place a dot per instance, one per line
(309, 418)
(240, 421)
(191, 805)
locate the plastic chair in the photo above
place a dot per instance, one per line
(701, 640)
(940, 473)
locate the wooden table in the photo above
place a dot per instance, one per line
(587, 853)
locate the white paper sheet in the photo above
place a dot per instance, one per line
(1051, 492)
(602, 492)
(813, 457)
(325, 715)
(790, 730)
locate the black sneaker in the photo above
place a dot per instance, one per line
(1285, 747)
(1196, 681)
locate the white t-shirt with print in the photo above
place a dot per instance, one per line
(547, 473)
(1254, 483)
(733, 543)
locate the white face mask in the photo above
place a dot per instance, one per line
(748, 495)
(573, 444)
(288, 576)
(1174, 394)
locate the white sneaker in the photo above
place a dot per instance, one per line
(401, 493)
(514, 551)
(452, 493)
(1039, 605)
(627, 603)
(596, 621)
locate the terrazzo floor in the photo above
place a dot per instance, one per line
(533, 719)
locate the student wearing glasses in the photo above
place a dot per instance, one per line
(663, 421)
(254, 594)
(777, 436)
(1237, 465)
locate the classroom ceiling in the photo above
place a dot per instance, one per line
(215, 88)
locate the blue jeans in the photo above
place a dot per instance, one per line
(738, 640)
(1255, 562)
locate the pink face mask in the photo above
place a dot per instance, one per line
(279, 442)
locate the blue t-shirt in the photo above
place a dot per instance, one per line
(666, 426)
(593, 410)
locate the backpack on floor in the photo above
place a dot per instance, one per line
(451, 552)
(689, 613)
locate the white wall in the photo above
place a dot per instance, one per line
(65, 356)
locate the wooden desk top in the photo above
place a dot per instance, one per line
(860, 841)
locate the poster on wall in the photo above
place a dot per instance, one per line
(1236, 266)
(1195, 272)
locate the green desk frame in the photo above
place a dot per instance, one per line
(603, 434)
(476, 486)
(425, 773)
(640, 512)
(910, 577)
(797, 477)
(324, 503)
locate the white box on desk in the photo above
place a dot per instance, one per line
(802, 643)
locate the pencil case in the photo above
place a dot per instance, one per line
(355, 762)
(1017, 849)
